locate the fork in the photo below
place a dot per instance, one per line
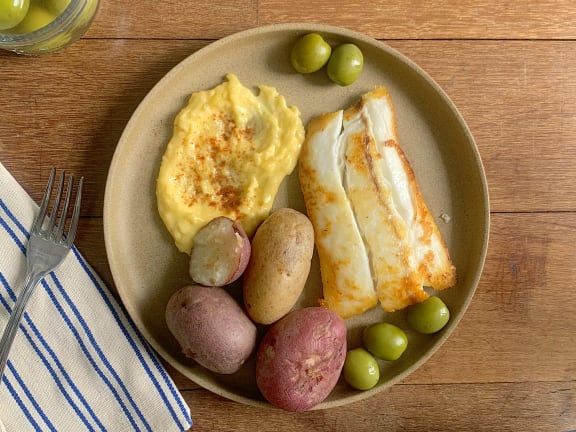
(47, 247)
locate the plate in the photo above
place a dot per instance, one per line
(145, 264)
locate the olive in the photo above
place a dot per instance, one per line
(36, 18)
(428, 317)
(345, 64)
(385, 341)
(58, 6)
(12, 12)
(310, 53)
(360, 369)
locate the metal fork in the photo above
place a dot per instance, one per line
(47, 247)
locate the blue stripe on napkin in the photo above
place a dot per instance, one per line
(54, 372)
(31, 399)
(140, 342)
(73, 355)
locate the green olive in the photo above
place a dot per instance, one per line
(385, 341)
(58, 6)
(12, 12)
(361, 370)
(428, 317)
(310, 53)
(345, 64)
(36, 18)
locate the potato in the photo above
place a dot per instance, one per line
(279, 265)
(220, 253)
(300, 358)
(211, 327)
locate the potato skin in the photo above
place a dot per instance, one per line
(300, 358)
(279, 265)
(211, 327)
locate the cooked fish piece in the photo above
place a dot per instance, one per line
(385, 232)
(346, 276)
(384, 210)
(432, 255)
(407, 252)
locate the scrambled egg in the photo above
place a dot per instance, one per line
(229, 152)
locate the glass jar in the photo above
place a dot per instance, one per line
(62, 27)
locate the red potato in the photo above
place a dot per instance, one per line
(220, 253)
(211, 327)
(300, 358)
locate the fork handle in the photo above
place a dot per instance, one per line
(15, 317)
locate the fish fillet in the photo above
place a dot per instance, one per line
(379, 218)
(344, 266)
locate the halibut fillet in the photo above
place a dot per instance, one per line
(376, 239)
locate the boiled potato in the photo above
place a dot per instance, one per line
(279, 265)
(211, 327)
(300, 358)
(220, 253)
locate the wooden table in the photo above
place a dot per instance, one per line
(510, 67)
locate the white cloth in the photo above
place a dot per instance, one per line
(78, 362)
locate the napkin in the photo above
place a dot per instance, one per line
(78, 362)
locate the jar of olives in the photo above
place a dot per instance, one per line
(35, 27)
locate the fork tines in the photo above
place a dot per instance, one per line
(54, 227)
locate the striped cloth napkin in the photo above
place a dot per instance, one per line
(78, 363)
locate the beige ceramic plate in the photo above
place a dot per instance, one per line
(145, 264)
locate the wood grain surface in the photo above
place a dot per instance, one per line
(510, 67)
